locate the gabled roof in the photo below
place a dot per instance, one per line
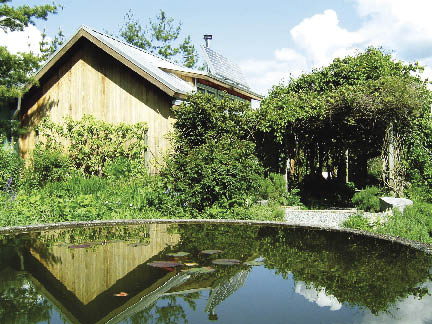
(158, 71)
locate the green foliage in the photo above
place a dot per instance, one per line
(48, 48)
(205, 117)
(159, 37)
(214, 161)
(48, 165)
(91, 143)
(350, 104)
(124, 168)
(375, 170)
(414, 224)
(79, 198)
(11, 166)
(274, 188)
(367, 199)
(16, 69)
(357, 221)
(418, 160)
(223, 172)
(16, 18)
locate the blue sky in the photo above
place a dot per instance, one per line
(270, 40)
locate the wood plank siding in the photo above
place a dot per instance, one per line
(87, 80)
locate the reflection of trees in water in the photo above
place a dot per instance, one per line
(166, 310)
(20, 301)
(361, 271)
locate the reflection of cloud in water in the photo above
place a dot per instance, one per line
(408, 311)
(317, 296)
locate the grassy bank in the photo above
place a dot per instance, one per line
(415, 223)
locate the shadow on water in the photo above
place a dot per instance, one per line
(101, 274)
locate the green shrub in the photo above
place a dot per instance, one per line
(48, 165)
(358, 222)
(274, 188)
(93, 143)
(122, 167)
(414, 224)
(418, 162)
(11, 166)
(367, 199)
(224, 172)
(419, 193)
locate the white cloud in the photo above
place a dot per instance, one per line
(317, 296)
(263, 74)
(400, 26)
(22, 41)
(321, 37)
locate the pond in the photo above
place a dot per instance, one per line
(200, 273)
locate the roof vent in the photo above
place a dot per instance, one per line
(207, 39)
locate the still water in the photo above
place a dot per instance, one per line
(202, 273)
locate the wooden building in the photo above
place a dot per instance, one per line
(96, 74)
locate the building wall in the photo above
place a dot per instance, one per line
(89, 81)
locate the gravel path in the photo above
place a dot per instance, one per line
(319, 218)
(327, 218)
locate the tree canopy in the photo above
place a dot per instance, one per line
(16, 18)
(160, 36)
(349, 105)
(16, 69)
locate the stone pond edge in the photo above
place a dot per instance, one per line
(427, 248)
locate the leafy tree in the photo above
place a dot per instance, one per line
(159, 37)
(17, 18)
(16, 69)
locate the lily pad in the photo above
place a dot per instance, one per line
(200, 270)
(178, 254)
(190, 264)
(226, 261)
(210, 252)
(254, 263)
(164, 264)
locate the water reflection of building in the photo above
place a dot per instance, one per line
(81, 281)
